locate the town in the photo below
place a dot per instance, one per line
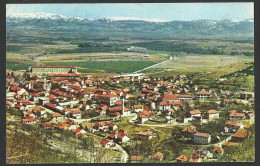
(132, 117)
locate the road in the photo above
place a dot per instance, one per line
(154, 65)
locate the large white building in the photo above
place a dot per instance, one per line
(44, 69)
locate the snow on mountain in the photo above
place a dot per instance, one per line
(41, 16)
(134, 18)
(55, 17)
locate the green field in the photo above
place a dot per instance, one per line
(18, 66)
(106, 66)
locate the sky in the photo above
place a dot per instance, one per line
(156, 11)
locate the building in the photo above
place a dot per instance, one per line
(233, 126)
(237, 116)
(46, 69)
(247, 95)
(195, 113)
(108, 99)
(203, 95)
(202, 138)
(238, 136)
(144, 135)
(189, 131)
(143, 116)
(158, 156)
(212, 114)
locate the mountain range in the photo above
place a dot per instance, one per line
(58, 26)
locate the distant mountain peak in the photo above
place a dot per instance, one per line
(41, 16)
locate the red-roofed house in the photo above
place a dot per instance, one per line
(203, 94)
(112, 135)
(108, 99)
(144, 135)
(238, 136)
(169, 98)
(195, 113)
(183, 158)
(76, 114)
(233, 126)
(136, 159)
(217, 151)
(143, 116)
(107, 143)
(47, 125)
(201, 138)
(29, 120)
(79, 130)
(237, 116)
(212, 114)
(122, 136)
(112, 126)
(158, 156)
(138, 108)
(189, 131)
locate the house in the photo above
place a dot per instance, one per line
(78, 131)
(185, 98)
(89, 128)
(39, 112)
(112, 126)
(143, 116)
(203, 95)
(169, 98)
(158, 156)
(85, 107)
(50, 106)
(201, 153)
(183, 158)
(112, 135)
(226, 144)
(75, 114)
(122, 136)
(201, 138)
(100, 125)
(43, 100)
(233, 126)
(237, 116)
(56, 117)
(247, 95)
(189, 131)
(217, 151)
(29, 120)
(144, 135)
(136, 159)
(138, 108)
(212, 114)
(195, 159)
(238, 136)
(28, 105)
(195, 113)
(47, 125)
(35, 97)
(108, 99)
(107, 143)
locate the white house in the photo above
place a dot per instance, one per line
(212, 114)
(201, 138)
(138, 108)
